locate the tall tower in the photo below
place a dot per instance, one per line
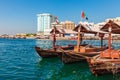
(44, 23)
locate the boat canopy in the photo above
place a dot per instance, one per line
(55, 30)
(87, 29)
(62, 31)
(112, 27)
(83, 29)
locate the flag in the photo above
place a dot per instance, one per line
(83, 15)
(86, 18)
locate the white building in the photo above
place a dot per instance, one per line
(44, 23)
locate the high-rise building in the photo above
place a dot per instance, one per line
(44, 23)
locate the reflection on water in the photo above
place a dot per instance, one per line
(53, 69)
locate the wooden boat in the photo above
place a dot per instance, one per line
(104, 65)
(70, 56)
(45, 53)
(108, 61)
(81, 52)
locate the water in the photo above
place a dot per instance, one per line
(19, 61)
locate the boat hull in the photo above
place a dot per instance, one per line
(46, 53)
(99, 66)
(70, 56)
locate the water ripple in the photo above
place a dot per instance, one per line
(19, 61)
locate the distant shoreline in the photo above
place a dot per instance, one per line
(63, 38)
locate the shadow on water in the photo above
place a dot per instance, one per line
(116, 76)
(54, 69)
(73, 71)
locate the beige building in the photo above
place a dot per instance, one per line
(69, 25)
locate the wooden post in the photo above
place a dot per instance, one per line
(109, 37)
(81, 38)
(101, 36)
(78, 42)
(109, 41)
(54, 40)
(101, 42)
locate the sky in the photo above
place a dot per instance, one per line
(20, 16)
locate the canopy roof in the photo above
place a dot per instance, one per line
(62, 31)
(83, 28)
(55, 30)
(115, 28)
(87, 29)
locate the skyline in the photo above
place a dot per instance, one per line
(20, 16)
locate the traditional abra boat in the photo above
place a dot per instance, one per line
(80, 52)
(45, 53)
(108, 61)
